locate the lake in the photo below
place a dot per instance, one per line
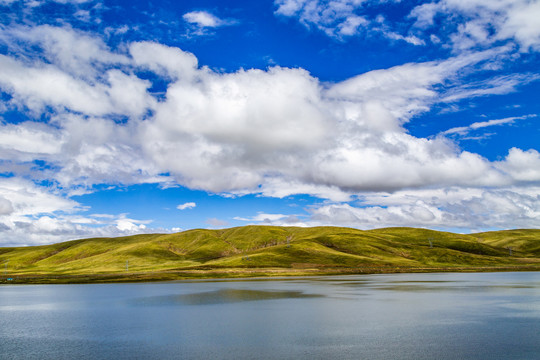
(390, 316)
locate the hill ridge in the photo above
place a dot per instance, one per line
(267, 250)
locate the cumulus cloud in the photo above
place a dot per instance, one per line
(37, 87)
(522, 165)
(468, 209)
(164, 60)
(74, 51)
(522, 25)
(275, 132)
(28, 199)
(29, 137)
(33, 215)
(188, 205)
(459, 209)
(280, 187)
(250, 131)
(126, 224)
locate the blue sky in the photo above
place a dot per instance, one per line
(120, 117)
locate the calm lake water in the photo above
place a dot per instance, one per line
(398, 316)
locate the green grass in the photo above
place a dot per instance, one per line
(270, 250)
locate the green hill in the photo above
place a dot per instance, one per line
(270, 250)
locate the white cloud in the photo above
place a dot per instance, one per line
(6, 207)
(522, 24)
(96, 151)
(522, 165)
(76, 74)
(280, 188)
(484, 22)
(454, 208)
(411, 39)
(493, 86)
(463, 130)
(276, 219)
(33, 215)
(202, 19)
(130, 225)
(28, 199)
(188, 205)
(164, 60)
(289, 7)
(46, 85)
(468, 24)
(203, 22)
(338, 19)
(73, 51)
(72, 1)
(33, 3)
(274, 132)
(29, 137)
(217, 223)
(341, 19)
(262, 217)
(32, 87)
(351, 25)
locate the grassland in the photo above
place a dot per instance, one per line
(269, 251)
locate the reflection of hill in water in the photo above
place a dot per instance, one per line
(222, 296)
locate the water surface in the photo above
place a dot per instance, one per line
(397, 316)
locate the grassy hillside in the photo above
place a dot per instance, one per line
(269, 250)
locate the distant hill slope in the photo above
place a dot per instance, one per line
(291, 250)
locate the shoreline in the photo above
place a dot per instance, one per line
(235, 273)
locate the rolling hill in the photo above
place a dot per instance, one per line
(270, 250)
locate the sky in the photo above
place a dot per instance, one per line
(124, 117)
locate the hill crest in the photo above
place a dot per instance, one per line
(267, 250)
